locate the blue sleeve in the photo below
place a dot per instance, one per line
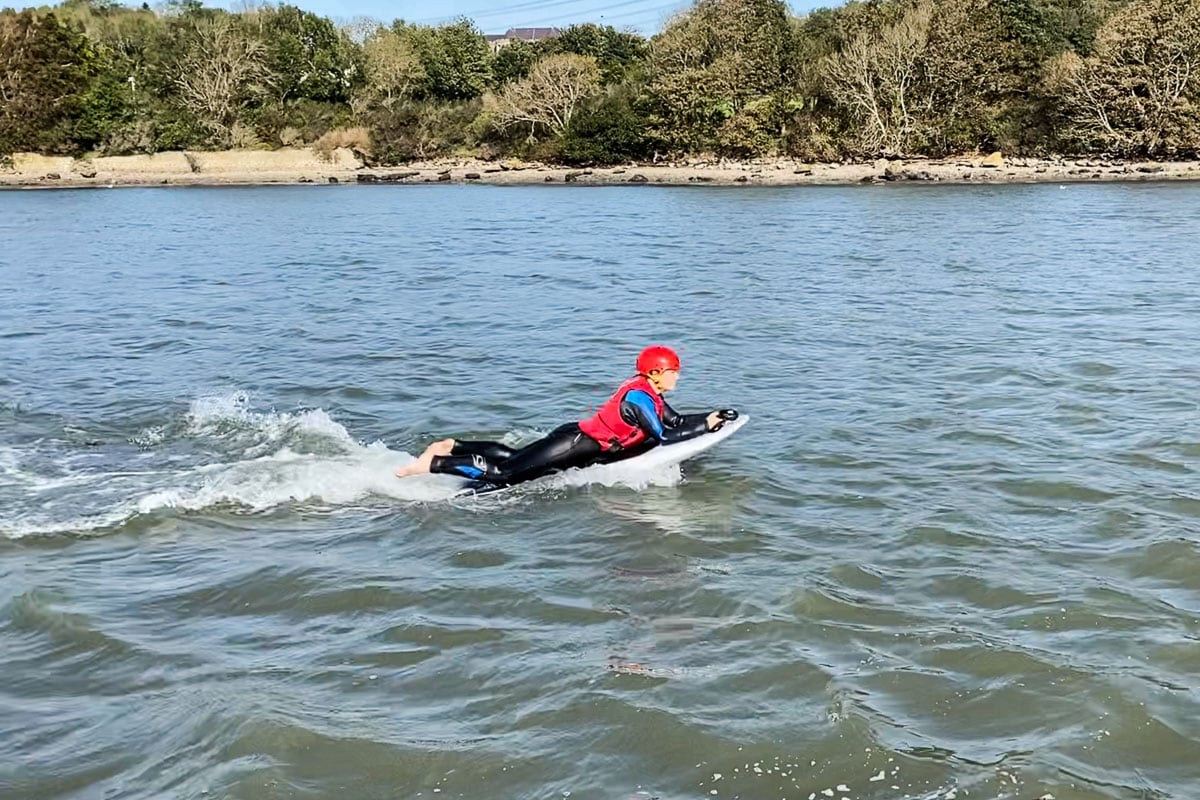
(638, 408)
(646, 413)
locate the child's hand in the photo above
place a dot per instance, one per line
(717, 419)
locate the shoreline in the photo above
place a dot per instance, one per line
(303, 166)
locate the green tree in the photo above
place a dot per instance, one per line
(394, 72)
(46, 71)
(1139, 93)
(619, 54)
(133, 104)
(972, 74)
(1044, 28)
(107, 108)
(514, 61)
(306, 56)
(456, 59)
(930, 77)
(608, 129)
(713, 61)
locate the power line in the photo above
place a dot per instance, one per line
(656, 13)
(528, 9)
(601, 13)
(535, 5)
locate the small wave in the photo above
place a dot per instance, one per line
(25, 528)
(232, 418)
(253, 486)
(288, 477)
(150, 437)
(10, 461)
(262, 460)
(276, 460)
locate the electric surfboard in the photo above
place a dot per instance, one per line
(656, 458)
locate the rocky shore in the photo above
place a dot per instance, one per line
(292, 166)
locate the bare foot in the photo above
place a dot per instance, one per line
(421, 465)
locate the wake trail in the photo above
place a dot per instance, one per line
(224, 455)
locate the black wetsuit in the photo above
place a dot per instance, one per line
(567, 446)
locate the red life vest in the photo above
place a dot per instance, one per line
(608, 428)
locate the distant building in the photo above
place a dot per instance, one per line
(499, 40)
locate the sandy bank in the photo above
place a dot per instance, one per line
(787, 172)
(253, 167)
(230, 167)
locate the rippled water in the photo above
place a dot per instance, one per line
(955, 554)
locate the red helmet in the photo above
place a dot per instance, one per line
(656, 358)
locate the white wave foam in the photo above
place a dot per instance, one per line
(150, 437)
(623, 475)
(254, 485)
(10, 461)
(16, 469)
(284, 478)
(25, 527)
(277, 458)
(222, 415)
(280, 463)
(288, 477)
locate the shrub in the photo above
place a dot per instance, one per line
(417, 130)
(608, 131)
(178, 130)
(303, 121)
(753, 131)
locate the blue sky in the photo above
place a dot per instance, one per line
(645, 16)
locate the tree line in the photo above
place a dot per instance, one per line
(738, 78)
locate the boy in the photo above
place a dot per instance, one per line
(634, 419)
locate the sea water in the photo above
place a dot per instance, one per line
(954, 555)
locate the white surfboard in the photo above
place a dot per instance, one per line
(649, 462)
